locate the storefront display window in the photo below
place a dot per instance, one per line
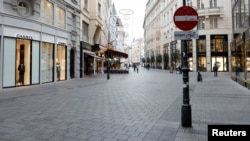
(248, 60)
(202, 45)
(190, 63)
(61, 62)
(221, 62)
(190, 46)
(202, 65)
(47, 62)
(219, 52)
(22, 62)
(201, 54)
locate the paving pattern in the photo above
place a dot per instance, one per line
(142, 106)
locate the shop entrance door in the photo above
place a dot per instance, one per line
(72, 63)
(23, 62)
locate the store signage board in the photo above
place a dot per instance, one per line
(186, 18)
(186, 35)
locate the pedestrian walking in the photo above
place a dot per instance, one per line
(238, 70)
(215, 70)
(137, 69)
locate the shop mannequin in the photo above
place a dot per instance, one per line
(21, 70)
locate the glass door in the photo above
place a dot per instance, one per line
(23, 62)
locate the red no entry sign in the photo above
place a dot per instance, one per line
(185, 18)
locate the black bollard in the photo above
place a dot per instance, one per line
(199, 77)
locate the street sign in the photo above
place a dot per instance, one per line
(186, 35)
(186, 18)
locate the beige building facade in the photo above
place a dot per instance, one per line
(214, 30)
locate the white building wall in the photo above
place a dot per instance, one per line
(12, 22)
(166, 26)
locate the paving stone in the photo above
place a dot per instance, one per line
(144, 106)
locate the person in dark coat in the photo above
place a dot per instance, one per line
(215, 70)
(21, 70)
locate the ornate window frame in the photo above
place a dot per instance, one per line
(24, 4)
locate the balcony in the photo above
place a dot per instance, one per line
(215, 11)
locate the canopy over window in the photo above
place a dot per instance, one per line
(114, 53)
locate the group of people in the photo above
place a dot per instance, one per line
(136, 68)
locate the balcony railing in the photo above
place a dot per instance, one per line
(211, 11)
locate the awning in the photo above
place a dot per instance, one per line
(114, 53)
(95, 47)
(92, 54)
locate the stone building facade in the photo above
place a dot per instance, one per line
(214, 30)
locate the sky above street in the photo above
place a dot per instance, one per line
(133, 23)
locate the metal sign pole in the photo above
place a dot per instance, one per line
(186, 113)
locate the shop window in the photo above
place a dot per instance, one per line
(47, 62)
(221, 62)
(23, 62)
(248, 58)
(217, 45)
(61, 62)
(202, 65)
(202, 45)
(190, 46)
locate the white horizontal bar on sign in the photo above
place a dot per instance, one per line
(186, 18)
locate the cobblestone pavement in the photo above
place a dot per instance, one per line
(142, 106)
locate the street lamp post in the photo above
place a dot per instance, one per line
(109, 55)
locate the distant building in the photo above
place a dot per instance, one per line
(137, 46)
(214, 29)
(240, 44)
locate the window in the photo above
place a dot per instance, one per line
(47, 62)
(23, 8)
(86, 4)
(213, 23)
(61, 62)
(213, 3)
(200, 4)
(201, 23)
(99, 10)
(46, 12)
(73, 22)
(85, 28)
(202, 45)
(60, 17)
(189, 2)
